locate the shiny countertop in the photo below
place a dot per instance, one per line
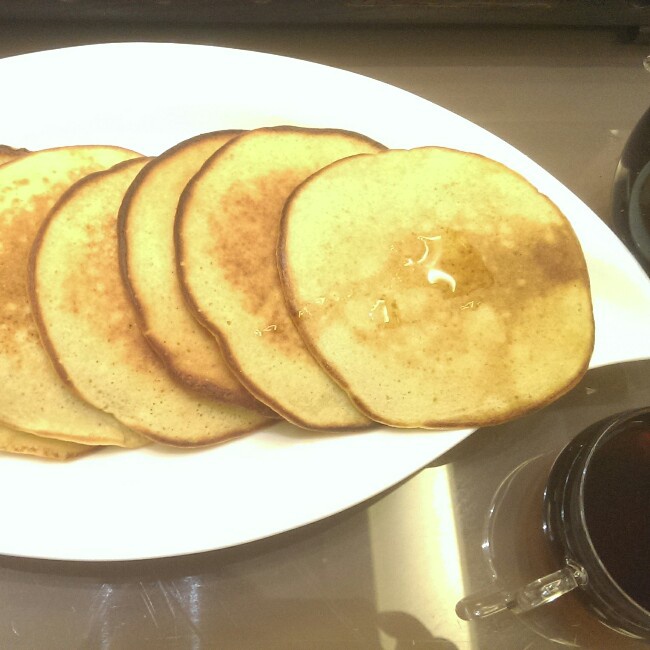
(388, 573)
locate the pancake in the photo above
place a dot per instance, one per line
(7, 153)
(439, 288)
(18, 442)
(226, 234)
(89, 325)
(33, 397)
(146, 228)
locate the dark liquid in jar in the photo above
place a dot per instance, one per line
(617, 510)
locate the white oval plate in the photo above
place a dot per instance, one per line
(155, 502)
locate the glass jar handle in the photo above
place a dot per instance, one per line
(538, 592)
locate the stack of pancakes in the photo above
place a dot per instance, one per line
(283, 272)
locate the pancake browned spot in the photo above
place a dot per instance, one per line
(33, 397)
(147, 258)
(89, 323)
(226, 236)
(439, 288)
(8, 154)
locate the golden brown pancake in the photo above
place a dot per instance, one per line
(148, 263)
(7, 153)
(90, 327)
(19, 442)
(33, 397)
(439, 288)
(226, 235)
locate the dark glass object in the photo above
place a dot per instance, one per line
(598, 494)
(631, 194)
